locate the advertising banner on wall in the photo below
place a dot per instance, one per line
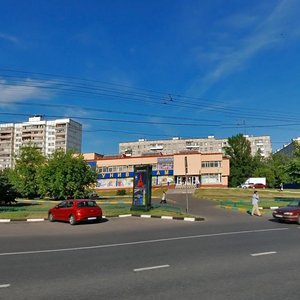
(142, 187)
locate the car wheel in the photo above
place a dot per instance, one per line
(72, 220)
(298, 220)
(51, 218)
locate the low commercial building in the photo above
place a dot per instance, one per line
(192, 169)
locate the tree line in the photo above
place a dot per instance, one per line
(277, 168)
(66, 175)
(61, 176)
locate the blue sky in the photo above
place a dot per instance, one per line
(153, 69)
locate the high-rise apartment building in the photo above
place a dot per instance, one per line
(288, 149)
(47, 135)
(203, 145)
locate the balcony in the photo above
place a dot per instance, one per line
(156, 147)
(192, 146)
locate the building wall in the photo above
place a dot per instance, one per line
(260, 143)
(288, 149)
(48, 136)
(172, 146)
(117, 172)
(194, 163)
(6, 145)
(203, 145)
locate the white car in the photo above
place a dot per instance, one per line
(246, 185)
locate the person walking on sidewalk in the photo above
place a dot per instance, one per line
(255, 201)
(164, 198)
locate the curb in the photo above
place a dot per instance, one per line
(22, 220)
(245, 209)
(187, 219)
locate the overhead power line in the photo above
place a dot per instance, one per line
(79, 86)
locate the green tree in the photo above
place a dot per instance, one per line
(7, 191)
(24, 175)
(241, 161)
(274, 168)
(66, 175)
(293, 168)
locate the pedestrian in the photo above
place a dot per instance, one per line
(255, 201)
(163, 198)
(168, 181)
(281, 186)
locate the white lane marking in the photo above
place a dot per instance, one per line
(264, 253)
(143, 242)
(125, 216)
(4, 285)
(151, 268)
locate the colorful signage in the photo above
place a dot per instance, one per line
(142, 187)
(131, 174)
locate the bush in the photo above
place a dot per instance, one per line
(121, 192)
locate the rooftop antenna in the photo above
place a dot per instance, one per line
(243, 124)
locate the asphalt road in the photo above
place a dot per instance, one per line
(230, 255)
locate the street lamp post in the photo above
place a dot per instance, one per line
(186, 193)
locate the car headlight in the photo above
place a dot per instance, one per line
(275, 212)
(288, 214)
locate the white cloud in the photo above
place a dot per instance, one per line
(279, 28)
(11, 92)
(9, 38)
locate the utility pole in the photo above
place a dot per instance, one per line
(186, 193)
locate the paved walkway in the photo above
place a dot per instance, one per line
(211, 210)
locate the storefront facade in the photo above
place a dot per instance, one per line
(201, 169)
(198, 169)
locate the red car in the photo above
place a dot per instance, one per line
(75, 211)
(258, 186)
(290, 213)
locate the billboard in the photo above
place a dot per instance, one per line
(142, 183)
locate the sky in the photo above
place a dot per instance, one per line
(153, 69)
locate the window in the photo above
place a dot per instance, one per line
(69, 203)
(62, 204)
(211, 178)
(211, 164)
(87, 204)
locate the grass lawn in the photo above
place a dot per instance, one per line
(32, 209)
(241, 198)
(113, 205)
(238, 194)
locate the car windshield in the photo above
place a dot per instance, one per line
(294, 203)
(87, 204)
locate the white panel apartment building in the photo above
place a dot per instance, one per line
(203, 145)
(46, 135)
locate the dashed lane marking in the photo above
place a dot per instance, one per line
(151, 268)
(143, 242)
(264, 253)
